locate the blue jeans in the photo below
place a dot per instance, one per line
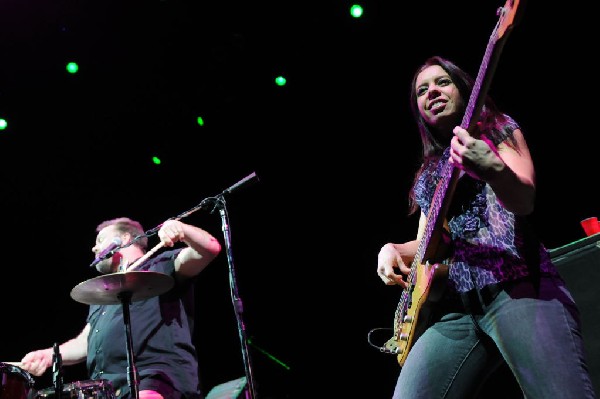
(534, 329)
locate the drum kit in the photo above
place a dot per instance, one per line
(108, 289)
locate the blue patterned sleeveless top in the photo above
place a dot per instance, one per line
(489, 243)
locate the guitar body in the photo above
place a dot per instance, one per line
(416, 317)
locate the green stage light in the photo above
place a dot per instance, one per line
(72, 67)
(156, 160)
(280, 81)
(356, 10)
(3, 124)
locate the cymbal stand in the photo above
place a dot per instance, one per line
(132, 374)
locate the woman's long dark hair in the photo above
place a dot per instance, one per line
(492, 122)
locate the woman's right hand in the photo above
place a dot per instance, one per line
(390, 265)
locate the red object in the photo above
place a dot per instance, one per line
(590, 226)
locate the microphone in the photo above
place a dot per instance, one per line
(108, 251)
(246, 181)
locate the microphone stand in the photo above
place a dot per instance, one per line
(219, 203)
(235, 298)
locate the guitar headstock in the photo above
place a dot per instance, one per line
(509, 15)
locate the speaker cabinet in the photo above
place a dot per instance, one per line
(228, 390)
(579, 264)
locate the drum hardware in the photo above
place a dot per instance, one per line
(88, 389)
(57, 376)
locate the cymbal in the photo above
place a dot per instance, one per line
(107, 289)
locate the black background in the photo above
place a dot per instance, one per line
(334, 151)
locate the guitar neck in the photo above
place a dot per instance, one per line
(490, 61)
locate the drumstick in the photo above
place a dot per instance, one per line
(146, 256)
